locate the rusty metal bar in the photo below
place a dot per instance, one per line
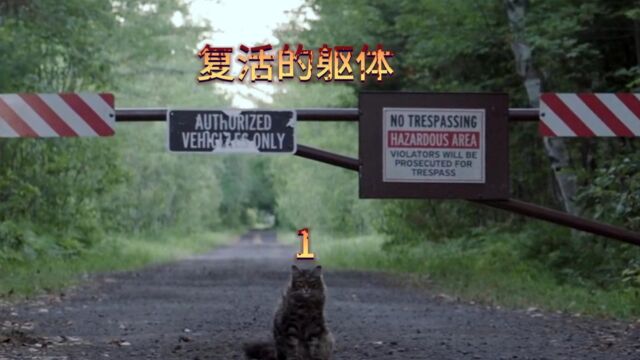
(562, 218)
(327, 157)
(160, 114)
(328, 114)
(144, 114)
(523, 115)
(512, 205)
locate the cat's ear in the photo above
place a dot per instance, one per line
(295, 269)
(317, 270)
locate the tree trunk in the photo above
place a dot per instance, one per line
(555, 148)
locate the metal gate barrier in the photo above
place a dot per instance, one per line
(354, 115)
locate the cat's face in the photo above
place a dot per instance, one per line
(307, 282)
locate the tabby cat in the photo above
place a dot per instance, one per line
(299, 328)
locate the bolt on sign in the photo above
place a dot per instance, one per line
(232, 131)
(428, 145)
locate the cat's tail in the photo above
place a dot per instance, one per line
(260, 351)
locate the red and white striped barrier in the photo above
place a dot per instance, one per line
(587, 115)
(57, 115)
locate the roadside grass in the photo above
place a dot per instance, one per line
(488, 272)
(118, 253)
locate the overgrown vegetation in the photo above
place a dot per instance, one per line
(479, 252)
(66, 199)
(75, 205)
(485, 266)
(24, 278)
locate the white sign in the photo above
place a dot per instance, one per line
(433, 145)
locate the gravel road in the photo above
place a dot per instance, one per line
(206, 306)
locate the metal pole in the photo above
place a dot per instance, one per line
(328, 114)
(328, 157)
(562, 218)
(160, 114)
(145, 114)
(522, 115)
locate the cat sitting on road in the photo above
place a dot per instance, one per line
(299, 328)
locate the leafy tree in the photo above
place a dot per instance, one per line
(62, 196)
(467, 46)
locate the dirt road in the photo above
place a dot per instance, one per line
(204, 307)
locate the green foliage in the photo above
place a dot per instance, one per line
(57, 185)
(584, 45)
(162, 190)
(52, 45)
(612, 195)
(315, 195)
(246, 188)
(414, 221)
(61, 198)
(436, 49)
(20, 278)
(466, 46)
(609, 194)
(484, 266)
